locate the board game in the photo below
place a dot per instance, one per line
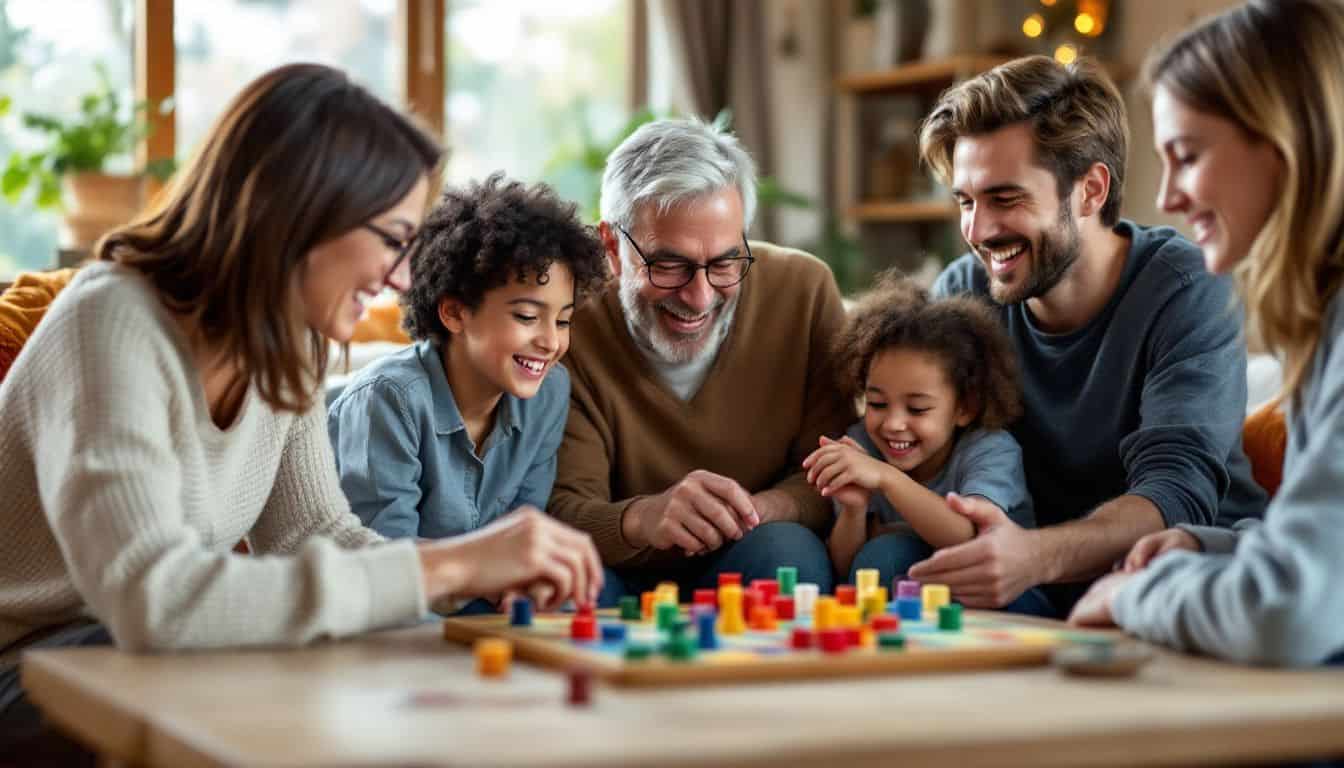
(674, 651)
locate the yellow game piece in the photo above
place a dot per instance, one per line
(847, 617)
(867, 638)
(667, 592)
(935, 596)
(882, 593)
(865, 581)
(730, 610)
(646, 602)
(823, 613)
(873, 605)
(493, 655)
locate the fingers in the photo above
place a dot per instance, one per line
(730, 493)
(1140, 554)
(981, 512)
(852, 443)
(949, 560)
(707, 536)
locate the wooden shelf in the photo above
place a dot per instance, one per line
(919, 75)
(904, 211)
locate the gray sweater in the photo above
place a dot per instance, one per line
(1276, 599)
(122, 498)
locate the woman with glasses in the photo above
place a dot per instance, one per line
(169, 405)
(462, 427)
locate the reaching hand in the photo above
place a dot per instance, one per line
(698, 514)
(1094, 609)
(840, 463)
(992, 569)
(1154, 545)
(524, 551)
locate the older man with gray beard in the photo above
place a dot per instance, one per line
(701, 380)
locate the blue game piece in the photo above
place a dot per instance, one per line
(613, 633)
(521, 613)
(709, 639)
(910, 608)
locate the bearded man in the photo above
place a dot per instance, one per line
(700, 379)
(1134, 381)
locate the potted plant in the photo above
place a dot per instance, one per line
(70, 173)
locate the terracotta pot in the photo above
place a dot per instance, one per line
(96, 203)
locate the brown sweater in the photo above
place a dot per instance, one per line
(770, 393)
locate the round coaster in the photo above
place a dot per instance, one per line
(1102, 659)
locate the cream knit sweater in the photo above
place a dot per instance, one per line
(120, 499)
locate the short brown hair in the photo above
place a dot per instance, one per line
(487, 233)
(1076, 113)
(302, 155)
(961, 331)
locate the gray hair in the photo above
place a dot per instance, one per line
(669, 161)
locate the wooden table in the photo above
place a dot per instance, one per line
(407, 697)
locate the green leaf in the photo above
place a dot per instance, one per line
(14, 180)
(769, 192)
(5, 103)
(48, 191)
(162, 169)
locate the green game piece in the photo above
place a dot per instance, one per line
(891, 641)
(667, 615)
(680, 648)
(787, 576)
(678, 627)
(949, 617)
(637, 652)
(630, 609)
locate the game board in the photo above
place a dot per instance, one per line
(987, 640)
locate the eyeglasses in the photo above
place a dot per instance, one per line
(394, 243)
(674, 273)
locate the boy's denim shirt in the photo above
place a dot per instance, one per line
(407, 464)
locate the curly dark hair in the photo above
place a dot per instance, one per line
(962, 331)
(480, 237)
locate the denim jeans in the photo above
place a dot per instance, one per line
(25, 736)
(756, 555)
(892, 554)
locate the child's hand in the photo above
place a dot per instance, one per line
(852, 498)
(840, 463)
(1150, 547)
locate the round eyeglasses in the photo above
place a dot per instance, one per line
(671, 272)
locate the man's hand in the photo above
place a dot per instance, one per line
(698, 515)
(841, 463)
(1094, 609)
(991, 570)
(1152, 546)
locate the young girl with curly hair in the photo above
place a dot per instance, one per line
(940, 384)
(462, 427)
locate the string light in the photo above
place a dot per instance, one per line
(1084, 23)
(1066, 54)
(1033, 25)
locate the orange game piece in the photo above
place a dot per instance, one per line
(646, 604)
(763, 618)
(493, 655)
(846, 594)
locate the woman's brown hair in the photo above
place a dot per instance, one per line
(302, 155)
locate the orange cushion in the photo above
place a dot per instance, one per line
(1265, 439)
(22, 305)
(381, 322)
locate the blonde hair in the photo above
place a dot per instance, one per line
(1276, 68)
(1076, 113)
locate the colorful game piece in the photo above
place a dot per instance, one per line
(580, 687)
(804, 599)
(867, 638)
(784, 607)
(667, 613)
(492, 656)
(787, 576)
(907, 588)
(667, 592)
(768, 589)
(730, 578)
(910, 608)
(936, 596)
(763, 618)
(646, 602)
(824, 615)
(873, 605)
(583, 628)
(708, 597)
(630, 608)
(890, 641)
(949, 617)
(708, 637)
(750, 599)
(520, 612)
(866, 580)
(846, 594)
(852, 636)
(680, 648)
(833, 640)
(637, 651)
(731, 621)
(885, 623)
(847, 616)
(613, 633)
(882, 593)
(586, 609)
(800, 638)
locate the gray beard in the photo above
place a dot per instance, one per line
(641, 318)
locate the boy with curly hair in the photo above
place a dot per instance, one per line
(939, 380)
(462, 427)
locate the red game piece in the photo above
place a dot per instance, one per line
(767, 587)
(852, 636)
(886, 622)
(583, 627)
(784, 607)
(580, 687)
(833, 641)
(801, 638)
(586, 609)
(730, 578)
(708, 597)
(846, 594)
(750, 599)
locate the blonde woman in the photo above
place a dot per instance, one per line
(1248, 109)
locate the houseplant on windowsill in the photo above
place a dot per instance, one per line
(70, 171)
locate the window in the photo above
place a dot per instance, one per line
(47, 62)
(531, 85)
(223, 44)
